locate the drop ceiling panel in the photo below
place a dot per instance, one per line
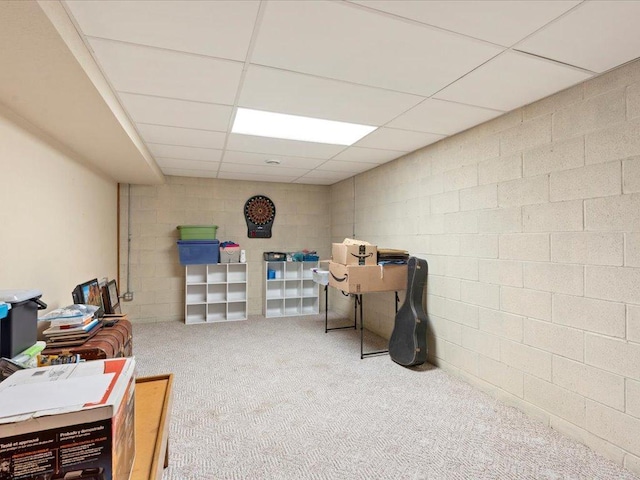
(400, 140)
(188, 164)
(511, 81)
(189, 153)
(294, 93)
(219, 29)
(479, 19)
(597, 36)
(439, 116)
(255, 177)
(418, 70)
(259, 159)
(276, 146)
(342, 41)
(342, 166)
(177, 113)
(368, 155)
(271, 170)
(187, 137)
(151, 71)
(182, 172)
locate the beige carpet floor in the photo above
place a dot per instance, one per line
(280, 399)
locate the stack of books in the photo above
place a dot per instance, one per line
(70, 328)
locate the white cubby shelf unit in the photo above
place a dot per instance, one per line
(293, 291)
(215, 293)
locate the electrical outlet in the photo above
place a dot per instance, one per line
(128, 296)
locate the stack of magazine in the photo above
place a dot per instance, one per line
(72, 325)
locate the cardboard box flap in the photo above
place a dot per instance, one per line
(45, 391)
(355, 254)
(353, 241)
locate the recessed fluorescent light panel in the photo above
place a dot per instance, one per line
(295, 127)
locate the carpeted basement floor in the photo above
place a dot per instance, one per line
(280, 399)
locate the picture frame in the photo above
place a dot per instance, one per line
(90, 293)
(112, 297)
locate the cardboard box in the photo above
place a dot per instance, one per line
(229, 254)
(367, 278)
(354, 254)
(69, 421)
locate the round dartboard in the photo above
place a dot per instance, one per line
(259, 212)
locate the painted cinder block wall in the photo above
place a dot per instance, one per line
(530, 224)
(156, 276)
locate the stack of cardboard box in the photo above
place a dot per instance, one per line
(354, 269)
(69, 421)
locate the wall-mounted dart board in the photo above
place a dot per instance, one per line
(259, 212)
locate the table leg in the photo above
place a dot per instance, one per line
(326, 321)
(326, 309)
(376, 352)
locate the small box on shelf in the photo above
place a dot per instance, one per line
(229, 254)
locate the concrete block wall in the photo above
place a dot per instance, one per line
(531, 227)
(156, 276)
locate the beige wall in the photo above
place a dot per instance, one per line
(59, 219)
(531, 227)
(157, 278)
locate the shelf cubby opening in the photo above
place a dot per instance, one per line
(196, 294)
(196, 313)
(196, 274)
(217, 273)
(216, 312)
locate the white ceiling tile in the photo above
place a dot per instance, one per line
(342, 41)
(187, 137)
(439, 116)
(255, 177)
(272, 170)
(219, 29)
(189, 153)
(368, 155)
(298, 94)
(276, 146)
(401, 140)
(343, 166)
(177, 67)
(598, 35)
(511, 81)
(187, 164)
(248, 158)
(496, 21)
(177, 113)
(136, 69)
(182, 172)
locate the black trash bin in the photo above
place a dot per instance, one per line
(19, 329)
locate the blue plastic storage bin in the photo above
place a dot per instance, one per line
(198, 252)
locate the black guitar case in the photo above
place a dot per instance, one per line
(408, 343)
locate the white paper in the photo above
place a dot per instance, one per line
(60, 394)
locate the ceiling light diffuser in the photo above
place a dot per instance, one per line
(295, 127)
